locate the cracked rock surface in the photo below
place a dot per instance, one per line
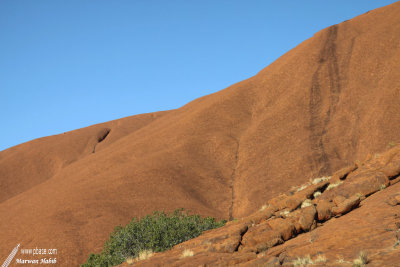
(359, 212)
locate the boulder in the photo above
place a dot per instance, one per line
(342, 173)
(392, 169)
(347, 205)
(324, 210)
(260, 241)
(364, 183)
(290, 203)
(338, 199)
(284, 226)
(261, 215)
(228, 245)
(310, 190)
(294, 201)
(276, 201)
(307, 218)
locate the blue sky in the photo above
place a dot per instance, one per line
(67, 64)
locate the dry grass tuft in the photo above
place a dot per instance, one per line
(130, 260)
(320, 259)
(331, 186)
(317, 194)
(284, 213)
(306, 203)
(187, 253)
(144, 255)
(362, 260)
(321, 179)
(302, 187)
(303, 261)
(312, 181)
(341, 260)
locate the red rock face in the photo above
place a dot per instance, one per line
(325, 104)
(327, 232)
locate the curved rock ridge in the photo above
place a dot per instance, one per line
(329, 101)
(268, 237)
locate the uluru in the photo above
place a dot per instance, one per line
(302, 160)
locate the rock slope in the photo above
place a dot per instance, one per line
(325, 222)
(331, 100)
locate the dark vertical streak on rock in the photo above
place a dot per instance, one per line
(346, 61)
(353, 130)
(233, 178)
(318, 119)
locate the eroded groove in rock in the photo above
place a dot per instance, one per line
(101, 137)
(319, 120)
(233, 178)
(104, 135)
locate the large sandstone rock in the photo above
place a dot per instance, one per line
(294, 201)
(363, 183)
(261, 215)
(283, 226)
(324, 210)
(392, 169)
(346, 205)
(342, 173)
(307, 218)
(260, 238)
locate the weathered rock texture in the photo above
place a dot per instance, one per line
(330, 101)
(331, 229)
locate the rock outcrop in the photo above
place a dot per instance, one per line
(270, 236)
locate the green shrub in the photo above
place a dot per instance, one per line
(157, 232)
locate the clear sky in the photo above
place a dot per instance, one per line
(67, 64)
